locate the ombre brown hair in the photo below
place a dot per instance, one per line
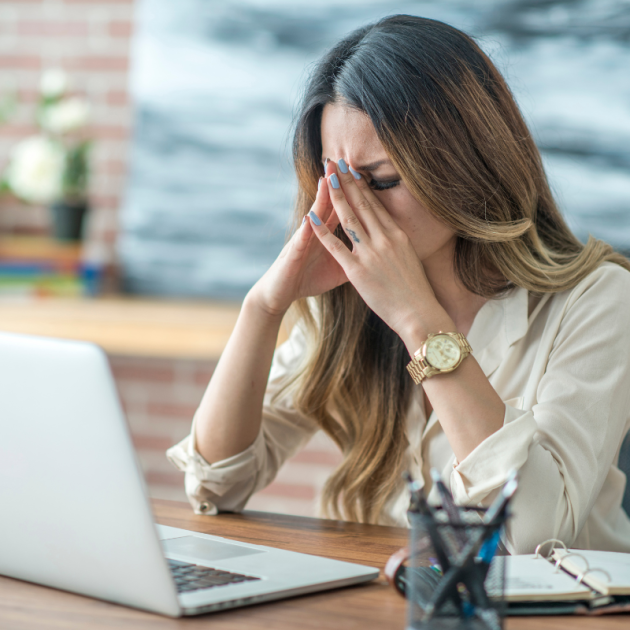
(452, 129)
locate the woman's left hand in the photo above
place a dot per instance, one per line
(383, 265)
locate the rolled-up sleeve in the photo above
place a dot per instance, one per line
(565, 445)
(227, 485)
(486, 467)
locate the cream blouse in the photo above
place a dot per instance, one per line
(561, 364)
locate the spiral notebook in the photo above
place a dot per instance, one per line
(568, 581)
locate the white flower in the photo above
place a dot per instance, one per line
(53, 83)
(67, 115)
(36, 169)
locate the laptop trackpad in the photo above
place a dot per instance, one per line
(203, 549)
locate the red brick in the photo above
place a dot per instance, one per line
(290, 491)
(172, 410)
(20, 61)
(108, 237)
(107, 132)
(318, 457)
(112, 167)
(97, 62)
(105, 201)
(126, 407)
(120, 28)
(52, 29)
(155, 477)
(142, 372)
(17, 130)
(152, 442)
(28, 96)
(117, 97)
(101, 2)
(203, 374)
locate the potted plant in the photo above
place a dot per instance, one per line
(52, 167)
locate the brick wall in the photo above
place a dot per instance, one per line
(90, 40)
(160, 397)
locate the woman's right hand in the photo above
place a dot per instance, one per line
(304, 267)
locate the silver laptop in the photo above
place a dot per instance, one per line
(74, 508)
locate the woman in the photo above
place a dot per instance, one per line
(433, 215)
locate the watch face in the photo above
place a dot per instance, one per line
(442, 352)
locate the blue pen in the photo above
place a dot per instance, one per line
(489, 548)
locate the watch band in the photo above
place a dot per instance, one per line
(419, 368)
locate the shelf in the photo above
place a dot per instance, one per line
(128, 326)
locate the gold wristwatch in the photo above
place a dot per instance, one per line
(440, 353)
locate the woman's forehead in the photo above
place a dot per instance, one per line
(348, 133)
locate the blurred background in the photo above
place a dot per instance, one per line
(146, 178)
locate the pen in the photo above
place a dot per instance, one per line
(420, 506)
(449, 507)
(447, 498)
(488, 551)
(489, 548)
(457, 572)
(415, 488)
(500, 503)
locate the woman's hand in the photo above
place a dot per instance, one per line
(382, 266)
(304, 267)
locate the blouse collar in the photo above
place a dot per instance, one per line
(498, 325)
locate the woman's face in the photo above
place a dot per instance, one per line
(349, 134)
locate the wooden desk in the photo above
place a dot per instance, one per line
(373, 605)
(129, 326)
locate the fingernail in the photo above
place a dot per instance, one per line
(334, 181)
(343, 167)
(314, 218)
(325, 165)
(354, 173)
(303, 221)
(319, 183)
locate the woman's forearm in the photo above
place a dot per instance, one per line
(229, 417)
(468, 407)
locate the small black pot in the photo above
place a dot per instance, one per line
(68, 219)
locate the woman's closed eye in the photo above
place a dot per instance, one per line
(376, 184)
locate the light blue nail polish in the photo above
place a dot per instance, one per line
(314, 218)
(354, 173)
(319, 183)
(303, 221)
(343, 167)
(334, 180)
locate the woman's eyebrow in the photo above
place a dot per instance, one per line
(372, 166)
(367, 167)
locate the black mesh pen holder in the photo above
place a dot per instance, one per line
(454, 576)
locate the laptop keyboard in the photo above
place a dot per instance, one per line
(194, 577)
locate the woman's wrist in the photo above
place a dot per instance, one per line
(420, 324)
(254, 301)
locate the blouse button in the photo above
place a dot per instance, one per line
(204, 507)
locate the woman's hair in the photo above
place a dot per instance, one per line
(452, 129)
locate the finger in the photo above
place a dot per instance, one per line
(335, 247)
(349, 221)
(356, 199)
(328, 216)
(375, 204)
(297, 244)
(324, 208)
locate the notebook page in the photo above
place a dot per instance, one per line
(617, 564)
(529, 579)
